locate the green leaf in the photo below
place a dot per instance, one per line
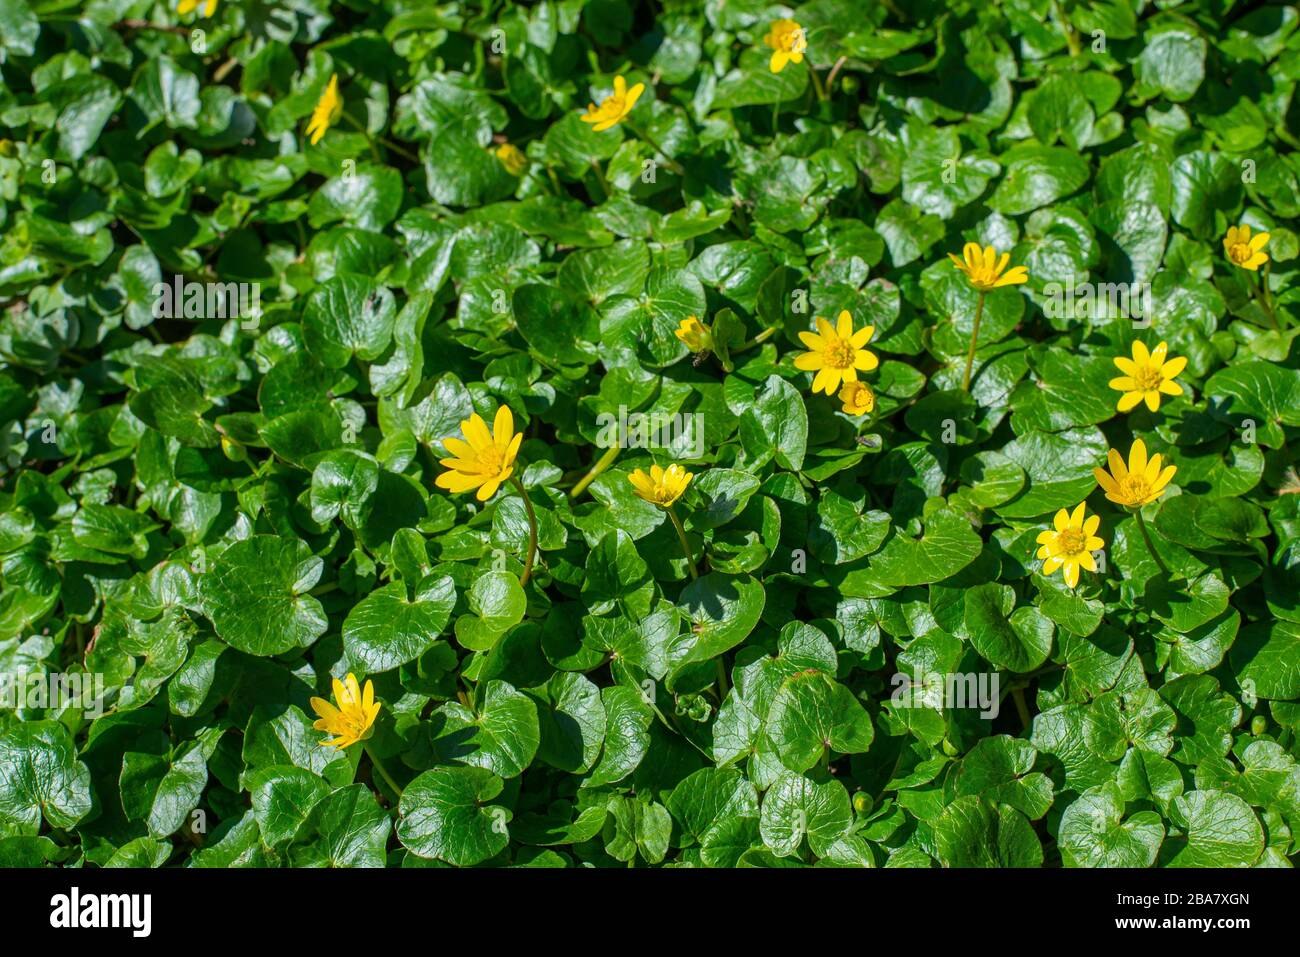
(256, 595)
(41, 777)
(444, 813)
(387, 628)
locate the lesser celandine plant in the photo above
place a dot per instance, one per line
(288, 548)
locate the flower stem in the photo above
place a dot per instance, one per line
(671, 163)
(370, 140)
(974, 339)
(830, 79)
(602, 463)
(722, 679)
(1071, 40)
(1146, 537)
(383, 771)
(817, 81)
(532, 530)
(600, 178)
(1264, 301)
(762, 337)
(686, 546)
(1022, 709)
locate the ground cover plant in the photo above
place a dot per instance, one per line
(591, 433)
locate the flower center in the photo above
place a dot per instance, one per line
(1239, 253)
(613, 104)
(489, 460)
(1135, 489)
(794, 42)
(1070, 541)
(839, 354)
(1148, 379)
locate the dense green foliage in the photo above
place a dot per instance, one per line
(214, 516)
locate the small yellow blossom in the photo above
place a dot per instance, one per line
(1146, 376)
(327, 112)
(351, 720)
(662, 486)
(1070, 544)
(1138, 483)
(1245, 250)
(483, 459)
(858, 398)
(512, 158)
(697, 336)
(188, 6)
(985, 271)
(836, 354)
(787, 41)
(614, 107)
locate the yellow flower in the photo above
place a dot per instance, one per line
(837, 354)
(483, 459)
(1147, 375)
(697, 336)
(350, 722)
(787, 40)
(188, 6)
(327, 112)
(1140, 482)
(662, 486)
(1071, 544)
(1244, 250)
(512, 159)
(613, 107)
(985, 271)
(858, 398)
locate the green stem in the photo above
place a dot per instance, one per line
(1146, 537)
(759, 339)
(671, 163)
(600, 178)
(602, 463)
(686, 546)
(830, 79)
(532, 530)
(383, 771)
(374, 150)
(1071, 39)
(1022, 709)
(722, 679)
(974, 339)
(1264, 301)
(817, 81)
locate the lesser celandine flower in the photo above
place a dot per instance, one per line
(787, 42)
(189, 6)
(1136, 483)
(696, 335)
(614, 107)
(858, 398)
(1070, 543)
(663, 487)
(1245, 250)
(482, 461)
(984, 271)
(349, 719)
(836, 353)
(512, 158)
(327, 112)
(1146, 376)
